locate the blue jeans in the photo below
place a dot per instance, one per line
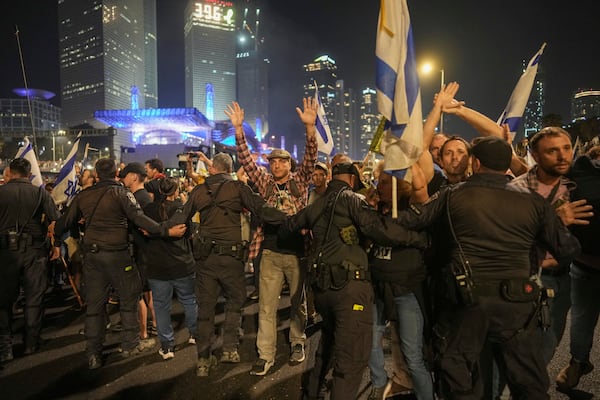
(410, 329)
(162, 292)
(559, 308)
(585, 286)
(379, 375)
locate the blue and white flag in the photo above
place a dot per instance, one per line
(324, 138)
(65, 187)
(398, 91)
(27, 152)
(513, 113)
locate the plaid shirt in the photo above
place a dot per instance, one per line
(263, 180)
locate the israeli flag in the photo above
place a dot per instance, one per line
(65, 187)
(398, 93)
(513, 113)
(27, 152)
(324, 138)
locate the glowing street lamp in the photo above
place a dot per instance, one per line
(426, 69)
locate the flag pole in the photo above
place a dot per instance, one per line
(394, 197)
(35, 148)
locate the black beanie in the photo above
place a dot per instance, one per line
(493, 153)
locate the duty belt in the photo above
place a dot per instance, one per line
(95, 248)
(24, 239)
(234, 250)
(356, 272)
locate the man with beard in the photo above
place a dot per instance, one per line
(552, 151)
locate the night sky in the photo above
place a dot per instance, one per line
(480, 44)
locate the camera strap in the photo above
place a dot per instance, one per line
(463, 260)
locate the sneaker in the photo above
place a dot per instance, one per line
(395, 389)
(230, 357)
(205, 364)
(297, 355)
(377, 393)
(152, 329)
(147, 343)
(192, 340)
(94, 361)
(253, 295)
(142, 347)
(167, 353)
(261, 367)
(570, 375)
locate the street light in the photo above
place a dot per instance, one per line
(426, 69)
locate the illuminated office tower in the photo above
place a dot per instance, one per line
(534, 111)
(102, 54)
(252, 67)
(585, 104)
(150, 55)
(368, 119)
(209, 35)
(323, 70)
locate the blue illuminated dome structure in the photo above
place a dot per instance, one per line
(34, 93)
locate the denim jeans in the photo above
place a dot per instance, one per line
(162, 292)
(559, 308)
(410, 330)
(379, 375)
(585, 286)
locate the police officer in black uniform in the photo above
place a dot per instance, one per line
(340, 277)
(107, 208)
(489, 296)
(220, 253)
(25, 212)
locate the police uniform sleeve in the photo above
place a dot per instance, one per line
(49, 207)
(135, 214)
(258, 206)
(555, 237)
(421, 216)
(382, 231)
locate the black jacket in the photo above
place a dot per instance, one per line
(351, 209)
(168, 258)
(496, 226)
(587, 177)
(220, 200)
(107, 225)
(24, 204)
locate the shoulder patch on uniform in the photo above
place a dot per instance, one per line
(415, 209)
(131, 198)
(433, 197)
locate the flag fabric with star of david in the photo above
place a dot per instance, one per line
(65, 187)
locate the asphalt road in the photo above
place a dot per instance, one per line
(59, 369)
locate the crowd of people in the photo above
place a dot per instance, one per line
(473, 264)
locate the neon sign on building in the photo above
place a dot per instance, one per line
(214, 13)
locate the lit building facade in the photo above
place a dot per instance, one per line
(252, 67)
(105, 48)
(15, 116)
(210, 49)
(585, 104)
(534, 111)
(368, 119)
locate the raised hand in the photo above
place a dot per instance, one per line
(575, 212)
(308, 115)
(445, 98)
(235, 114)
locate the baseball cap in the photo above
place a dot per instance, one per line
(322, 166)
(279, 153)
(133, 167)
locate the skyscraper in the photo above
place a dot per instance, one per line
(210, 51)
(534, 111)
(368, 119)
(585, 104)
(105, 48)
(252, 68)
